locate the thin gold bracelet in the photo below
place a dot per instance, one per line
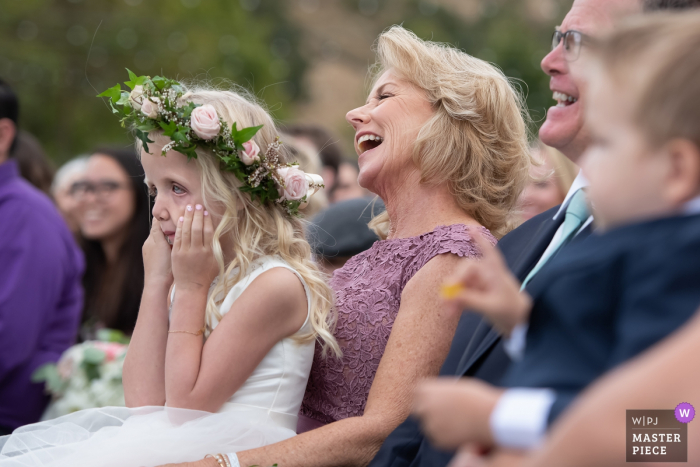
(198, 333)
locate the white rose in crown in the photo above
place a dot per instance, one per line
(250, 152)
(295, 183)
(136, 97)
(149, 107)
(205, 122)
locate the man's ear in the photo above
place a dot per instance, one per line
(684, 174)
(8, 130)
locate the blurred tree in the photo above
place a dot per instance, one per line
(58, 54)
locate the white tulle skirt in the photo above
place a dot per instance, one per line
(141, 437)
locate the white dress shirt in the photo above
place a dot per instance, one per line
(519, 420)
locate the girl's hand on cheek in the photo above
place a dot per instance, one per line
(194, 265)
(156, 257)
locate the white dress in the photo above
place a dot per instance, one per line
(263, 411)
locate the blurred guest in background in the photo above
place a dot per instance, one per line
(322, 142)
(40, 294)
(62, 191)
(346, 186)
(549, 184)
(114, 222)
(34, 165)
(340, 231)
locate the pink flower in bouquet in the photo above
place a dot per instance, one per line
(65, 368)
(205, 122)
(111, 349)
(295, 183)
(250, 152)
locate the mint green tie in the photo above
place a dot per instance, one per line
(576, 216)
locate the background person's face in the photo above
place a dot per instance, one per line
(542, 192)
(69, 204)
(395, 112)
(106, 215)
(565, 127)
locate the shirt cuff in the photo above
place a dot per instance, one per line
(519, 420)
(233, 459)
(515, 344)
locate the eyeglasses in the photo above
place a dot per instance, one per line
(572, 42)
(101, 190)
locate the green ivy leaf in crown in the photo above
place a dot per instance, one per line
(160, 103)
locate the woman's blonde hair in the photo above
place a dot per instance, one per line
(477, 140)
(256, 230)
(657, 57)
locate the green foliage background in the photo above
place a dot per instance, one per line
(58, 54)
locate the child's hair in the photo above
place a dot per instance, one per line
(256, 230)
(657, 56)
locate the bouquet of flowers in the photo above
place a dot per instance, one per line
(88, 375)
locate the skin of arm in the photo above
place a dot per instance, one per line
(419, 342)
(144, 366)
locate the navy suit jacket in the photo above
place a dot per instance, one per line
(604, 300)
(476, 351)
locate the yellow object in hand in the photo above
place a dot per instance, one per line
(450, 291)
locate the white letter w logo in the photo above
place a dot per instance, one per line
(685, 413)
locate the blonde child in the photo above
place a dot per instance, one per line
(232, 305)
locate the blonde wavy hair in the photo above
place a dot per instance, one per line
(255, 230)
(477, 140)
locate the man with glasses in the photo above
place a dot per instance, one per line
(41, 269)
(520, 418)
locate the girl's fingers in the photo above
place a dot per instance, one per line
(157, 233)
(208, 230)
(187, 227)
(178, 234)
(197, 227)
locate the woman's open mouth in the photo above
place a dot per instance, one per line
(368, 142)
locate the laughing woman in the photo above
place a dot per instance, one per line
(442, 140)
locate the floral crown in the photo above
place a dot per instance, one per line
(161, 104)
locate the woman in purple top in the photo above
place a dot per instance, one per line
(443, 142)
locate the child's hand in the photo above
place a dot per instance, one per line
(156, 257)
(456, 413)
(194, 265)
(487, 286)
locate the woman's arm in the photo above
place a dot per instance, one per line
(203, 376)
(419, 342)
(144, 366)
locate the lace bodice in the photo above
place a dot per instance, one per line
(368, 295)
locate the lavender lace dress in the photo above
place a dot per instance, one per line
(368, 295)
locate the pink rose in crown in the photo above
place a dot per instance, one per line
(250, 152)
(295, 183)
(149, 107)
(205, 122)
(136, 97)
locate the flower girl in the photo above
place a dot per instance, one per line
(232, 303)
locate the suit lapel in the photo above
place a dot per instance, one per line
(521, 266)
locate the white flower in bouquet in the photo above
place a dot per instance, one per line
(88, 375)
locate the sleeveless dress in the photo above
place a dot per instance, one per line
(263, 411)
(368, 296)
